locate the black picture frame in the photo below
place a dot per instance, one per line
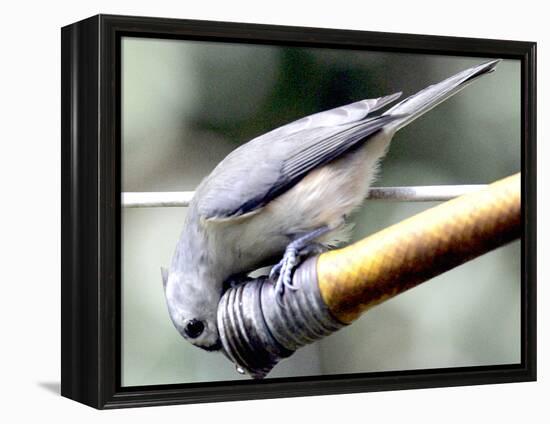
(90, 176)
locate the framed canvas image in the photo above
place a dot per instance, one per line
(254, 211)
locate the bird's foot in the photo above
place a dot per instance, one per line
(299, 249)
(284, 269)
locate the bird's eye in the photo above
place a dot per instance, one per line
(194, 328)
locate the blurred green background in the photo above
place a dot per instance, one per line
(185, 105)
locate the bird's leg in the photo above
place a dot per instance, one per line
(298, 249)
(311, 249)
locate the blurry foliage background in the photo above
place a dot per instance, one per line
(185, 105)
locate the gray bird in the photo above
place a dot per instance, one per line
(286, 193)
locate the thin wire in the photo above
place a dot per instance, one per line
(439, 193)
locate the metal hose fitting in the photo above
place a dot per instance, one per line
(257, 331)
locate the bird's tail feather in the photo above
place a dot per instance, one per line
(418, 104)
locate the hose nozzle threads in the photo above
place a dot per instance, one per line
(257, 331)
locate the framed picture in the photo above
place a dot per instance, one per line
(216, 240)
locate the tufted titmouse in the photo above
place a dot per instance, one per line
(287, 193)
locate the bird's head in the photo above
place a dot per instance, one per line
(192, 306)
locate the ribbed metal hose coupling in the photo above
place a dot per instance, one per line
(257, 331)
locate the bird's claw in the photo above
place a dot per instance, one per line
(274, 273)
(281, 274)
(284, 270)
(301, 247)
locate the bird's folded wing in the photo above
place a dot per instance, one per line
(262, 170)
(347, 114)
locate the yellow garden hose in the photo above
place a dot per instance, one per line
(357, 277)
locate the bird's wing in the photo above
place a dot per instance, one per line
(418, 104)
(352, 112)
(263, 169)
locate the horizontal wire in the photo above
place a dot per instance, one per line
(437, 193)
